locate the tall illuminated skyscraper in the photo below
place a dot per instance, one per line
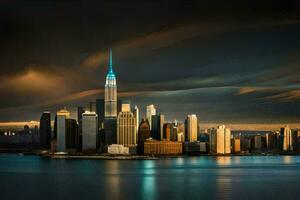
(110, 96)
(191, 128)
(286, 135)
(126, 127)
(220, 140)
(137, 117)
(89, 130)
(150, 111)
(61, 117)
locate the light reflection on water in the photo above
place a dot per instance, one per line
(265, 177)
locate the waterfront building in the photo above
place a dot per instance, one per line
(72, 135)
(149, 112)
(257, 142)
(220, 140)
(287, 139)
(155, 147)
(191, 127)
(137, 117)
(100, 111)
(89, 131)
(110, 96)
(167, 129)
(236, 145)
(126, 127)
(117, 149)
(143, 134)
(158, 122)
(45, 130)
(61, 117)
(195, 147)
(271, 141)
(110, 105)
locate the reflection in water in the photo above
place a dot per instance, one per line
(287, 159)
(224, 187)
(149, 185)
(223, 160)
(113, 180)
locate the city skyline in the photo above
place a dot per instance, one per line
(227, 68)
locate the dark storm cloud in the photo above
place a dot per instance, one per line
(223, 60)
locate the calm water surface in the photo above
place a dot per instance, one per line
(32, 177)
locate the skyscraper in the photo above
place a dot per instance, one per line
(89, 131)
(100, 112)
(110, 104)
(126, 127)
(137, 117)
(286, 135)
(72, 136)
(143, 134)
(110, 96)
(62, 115)
(150, 111)
(220, 140)
(167, 129)
(191, 128)
(157, 126)
(45, 130)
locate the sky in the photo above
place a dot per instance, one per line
(226, 61)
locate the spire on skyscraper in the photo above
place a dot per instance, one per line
(110, 64)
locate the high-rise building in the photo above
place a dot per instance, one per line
(143, 134)
(45, 130)
(286, 135)
(126, 128)
(89, 131)
(257, 142)
(220, 140)
(191, 128)
(167, 131)
(100, 112)
(61, 117)
(110, 95)
(158, 122)
(137, 117)
(236, 145)
(72, 135)
(149, 112)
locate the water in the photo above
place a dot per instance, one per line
(32, 177)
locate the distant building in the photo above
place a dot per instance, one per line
(89, 131)
(45, 130)
(143, 134)
(126, 128)
(220, 140)
(271, 141)
(257, 142)
(154, 147)
(286, 135)
(236, 145)
(167, 131)
(61, 117)
(137, 117)
(191, 126)
(158, 122)
(149, 112)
